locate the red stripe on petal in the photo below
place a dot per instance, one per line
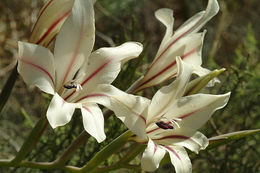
(53, 26)
(39, 68)
(95, 73)
(188, 114)
(175, 137)
(168, 67)
(87, 109)
(75, 52)
(46, 6)
(41, 12)
(170, 45)
(173, 151)
(142, 117)
(90, 77)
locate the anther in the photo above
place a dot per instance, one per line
(164, 125)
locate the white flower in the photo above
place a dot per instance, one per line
(76, 77)
(169, 122)
(186, 42)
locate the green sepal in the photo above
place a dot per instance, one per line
(197, 84)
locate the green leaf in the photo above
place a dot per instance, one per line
(229, 137)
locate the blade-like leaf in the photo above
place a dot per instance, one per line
(229, 137)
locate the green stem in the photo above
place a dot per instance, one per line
(81, 139)
(32, 139)
(106, 152)
(136, 149)
(39, 165)
(8, 88)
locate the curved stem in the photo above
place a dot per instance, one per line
(106, 152)
(123, 163)
(32, 139)
(39, 165)
(8, 88)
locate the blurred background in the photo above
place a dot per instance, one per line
(232, 42)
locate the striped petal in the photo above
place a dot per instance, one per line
(189, 49)
(104, 65)
(93, 121)
(50, 20)
(165, 16)
(195, 23)
(165, 96)
(74, 41)
(195, 110)
(179, 159)
(162, 69)
(185, 136)
(36, 66)
(59, 112)
(152, 156)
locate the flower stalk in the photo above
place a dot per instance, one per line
(102, 155)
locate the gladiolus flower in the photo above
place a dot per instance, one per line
(72, 73)
(186, 42)
(169, 121)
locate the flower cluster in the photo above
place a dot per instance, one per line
(60, 61)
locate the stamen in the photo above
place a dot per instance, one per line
(175, 123)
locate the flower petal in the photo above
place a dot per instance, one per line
(104, 65)
(184, 136)
(152, 156)
(188, 48)
(93, 121)
(179, 159)
(128, 108)
(195, 23)
(36, 66)
(196, 110)
(74, 41)
(165, 16)
(59, 112)
(165, 96)
(50, 20)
